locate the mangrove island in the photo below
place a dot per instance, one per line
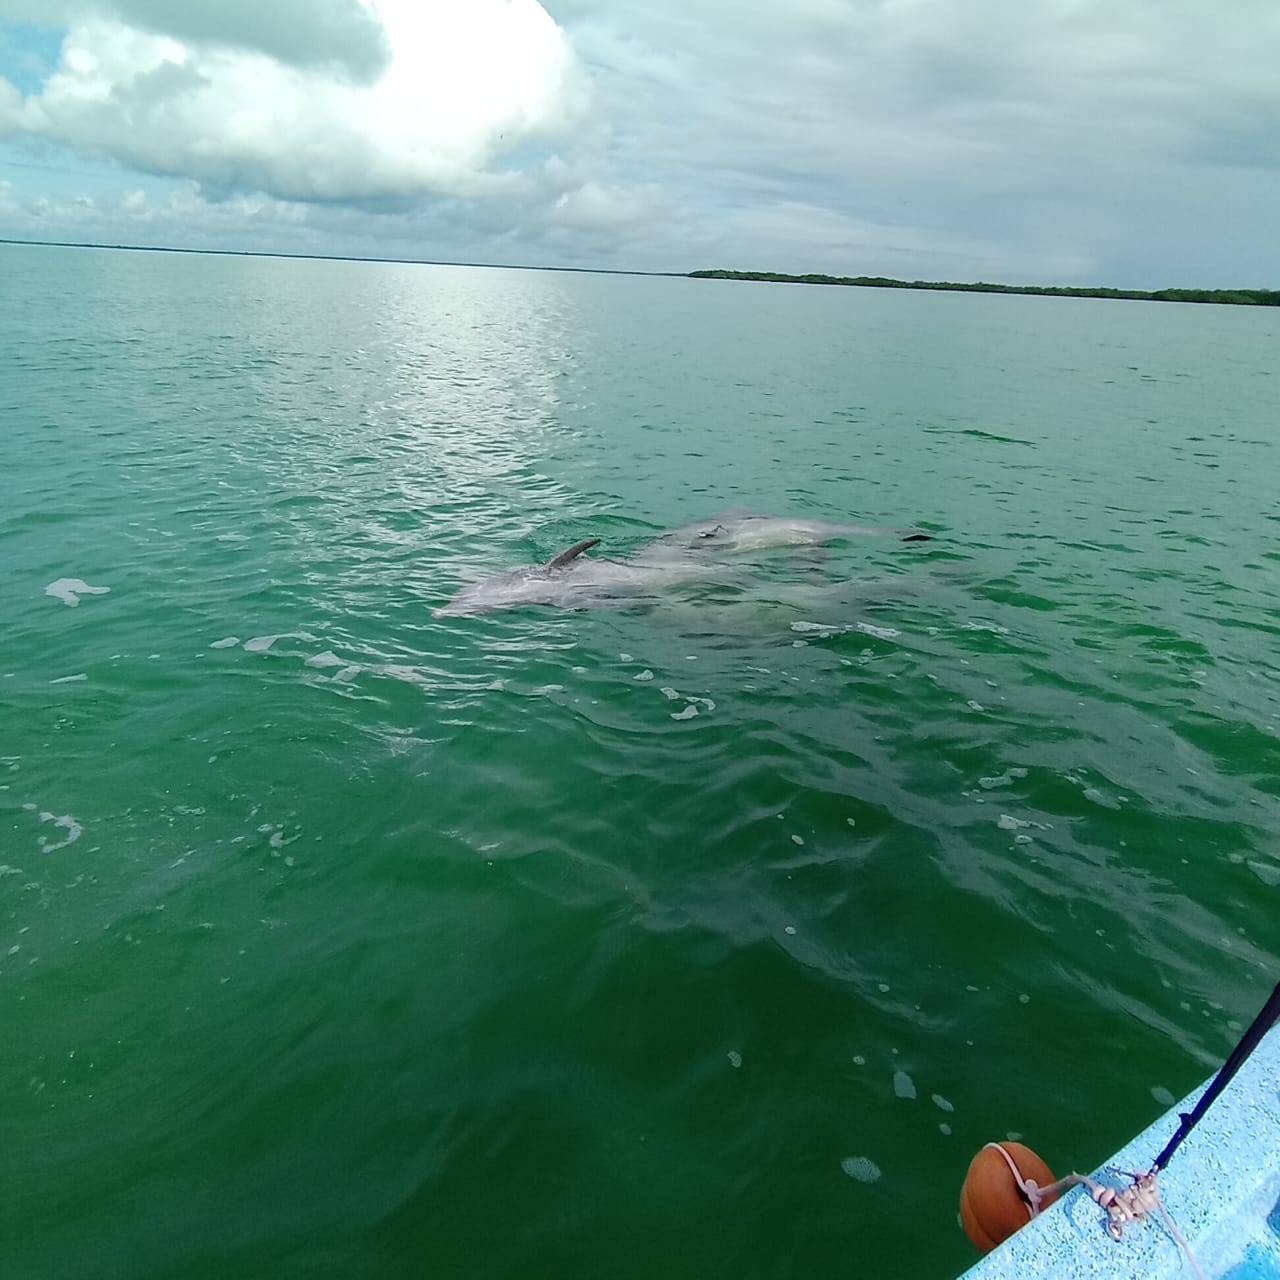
(1234, 297)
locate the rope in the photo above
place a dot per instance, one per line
(1132, 1204)
(1029, 1191)
(1135, 1202)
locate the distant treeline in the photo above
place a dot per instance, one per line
(1237, 297)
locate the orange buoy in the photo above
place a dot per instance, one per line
(994, 1201)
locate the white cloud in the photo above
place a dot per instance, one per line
(1069, 140)
(593, 207)
(464, 84)
(337, 34)
(928, 138)
(995, 90)
(515, 232)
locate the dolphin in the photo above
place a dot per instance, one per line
(572, 580)
(708, 551)
(745, 533)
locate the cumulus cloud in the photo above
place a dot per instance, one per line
(994, 91)
(593, 207)
(342, 35)
(931, 138)
(1071, 140)
(214, 97)
(536, 231)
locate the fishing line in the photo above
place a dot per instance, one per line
(1263, 1023)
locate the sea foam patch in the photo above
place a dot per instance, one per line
(861, 1168)
(262, 644)
(326, 659)
(881, 633)
(823, 630)
(69, 590)
(68, 824)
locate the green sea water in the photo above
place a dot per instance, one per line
(341, 940)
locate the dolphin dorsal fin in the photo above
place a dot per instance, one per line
(570, 554)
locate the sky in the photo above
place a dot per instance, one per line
(1125, 142)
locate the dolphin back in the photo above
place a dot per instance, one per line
(570, 554)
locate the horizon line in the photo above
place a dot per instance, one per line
(696, 273)
(338, 257)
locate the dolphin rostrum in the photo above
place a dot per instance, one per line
(708, 551)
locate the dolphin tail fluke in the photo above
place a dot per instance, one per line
(570, 554)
